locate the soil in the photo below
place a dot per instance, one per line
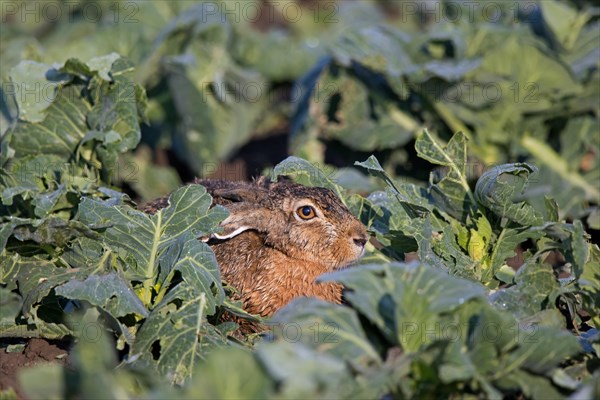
(36, 351)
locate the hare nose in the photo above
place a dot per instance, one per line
(360, 241)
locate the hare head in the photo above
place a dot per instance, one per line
(304, 223)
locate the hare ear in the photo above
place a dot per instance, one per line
(237, 195)
(242, 217)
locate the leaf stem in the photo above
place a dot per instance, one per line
(147, 290)
(200, 315)
(454, 167)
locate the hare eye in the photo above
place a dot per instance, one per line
(306, 212)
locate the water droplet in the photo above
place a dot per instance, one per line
(312, 42)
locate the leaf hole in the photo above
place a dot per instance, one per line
(334, 106)
(155, 350)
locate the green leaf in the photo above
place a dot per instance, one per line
(116, 110)
(188, 213)
(403, 300)
(216, 100)
(176, 334)
(578, 249)
(41, 329)
(451, 192)
(593, 219)
(372, 165)
(308, 174)
(479, 238)
(343, 106)
(51, 230)
(499, 188)
(59, 132)
(555, 82)
(505, 245)
(103, 65)
(422, 230)
(456, 261)
(44, 203)
(261, 51)
(413, 200)
(534, 283)
(196, 263)
(590, 283)
(82, 98)
(36, 87)
(36, 278)
(109, 292)
(535, 387)
(10, 306)
(551, 209)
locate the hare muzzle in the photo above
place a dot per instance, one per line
(358, 239)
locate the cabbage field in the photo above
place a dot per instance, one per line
(463, 134)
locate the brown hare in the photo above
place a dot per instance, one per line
(279, 237)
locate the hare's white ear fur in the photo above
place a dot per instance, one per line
(230, 230)
(225, 235)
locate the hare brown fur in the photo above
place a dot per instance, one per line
(279, 237)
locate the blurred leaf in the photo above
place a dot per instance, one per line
(93, 360)
(42, 381)
(563, 22)
(409, 298)
(208, 376)
(149, 180)
(550, 159)
(304, 372)
(342, 107)
(540, 355)
(261, 51)
(31, 77)
(318, 323)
